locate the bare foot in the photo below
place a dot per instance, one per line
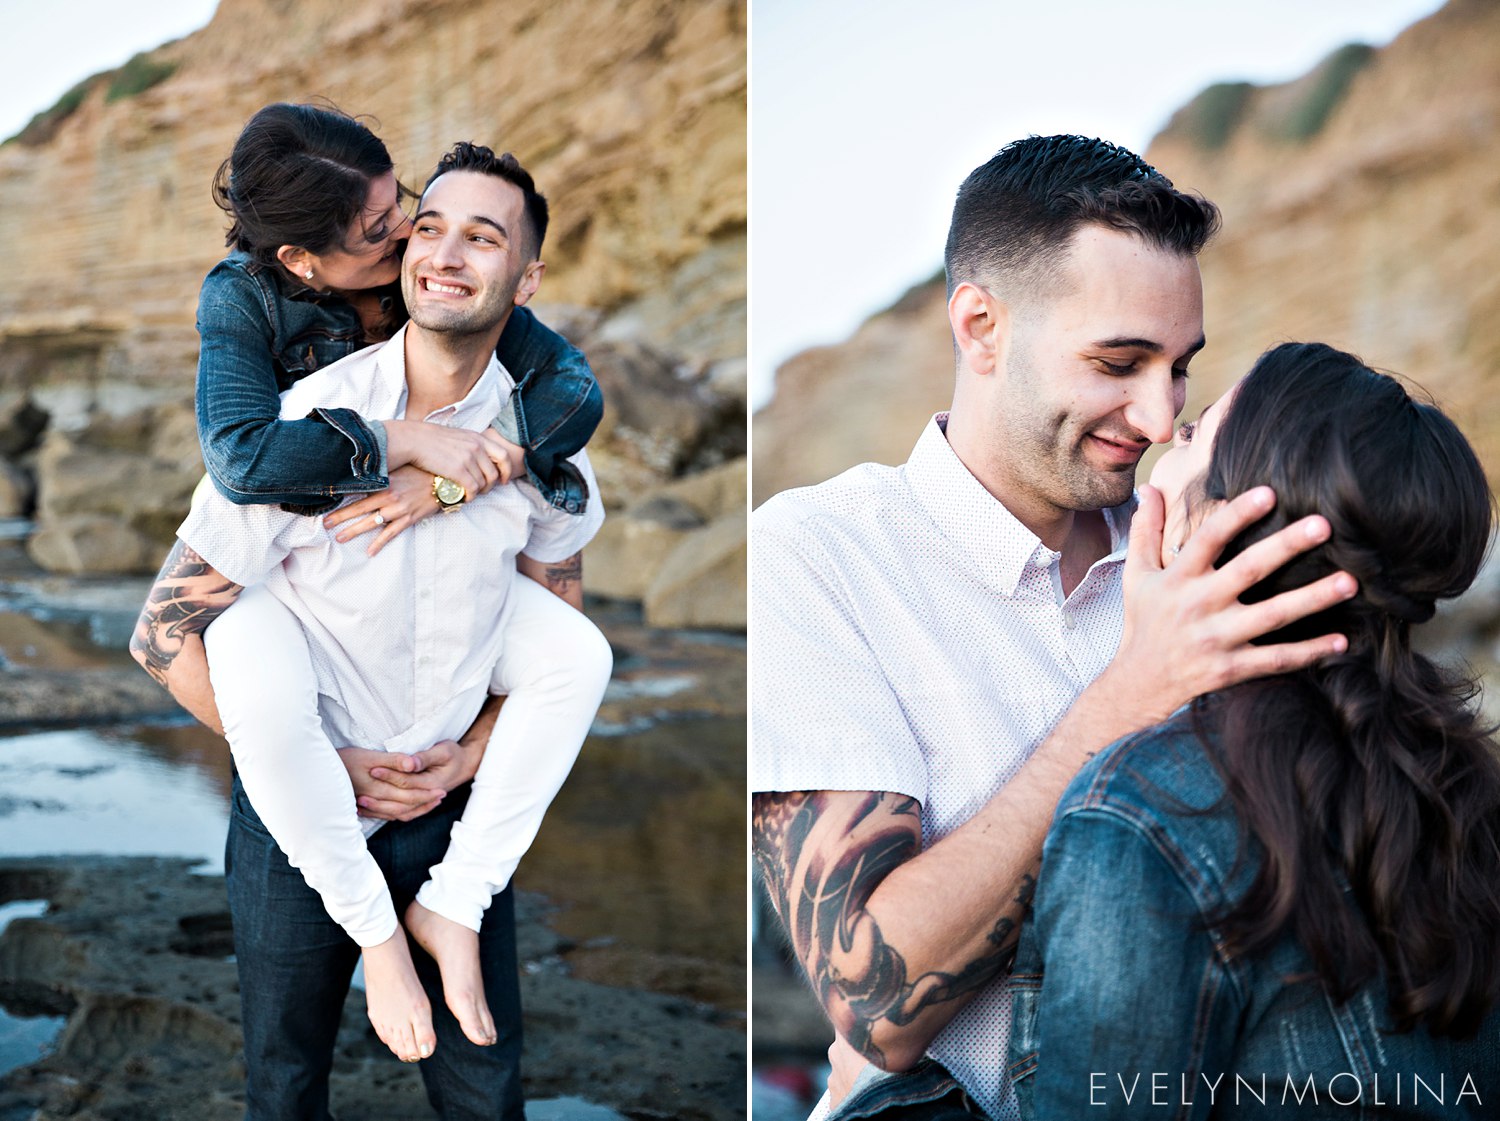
(396, 1003)
(456, 950)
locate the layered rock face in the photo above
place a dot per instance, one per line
(1358, 208)
(631, 115)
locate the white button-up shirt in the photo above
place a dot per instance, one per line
(401, 640)
(910, 635)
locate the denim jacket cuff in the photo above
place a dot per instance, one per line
(559, 482)
(368, 461)
(378, 428)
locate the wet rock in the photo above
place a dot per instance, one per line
(702, 582)
(153, 1029)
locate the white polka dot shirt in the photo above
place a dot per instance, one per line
(910, 635)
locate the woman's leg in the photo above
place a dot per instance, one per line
(554, 665)
(266, 692)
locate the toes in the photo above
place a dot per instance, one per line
(423, 1035)
(474, 1018)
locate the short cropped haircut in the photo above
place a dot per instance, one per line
(465, 156)
(1015, 215)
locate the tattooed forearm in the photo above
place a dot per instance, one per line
(563, 579)
(564, 576)
(188, 595)
(821, 856)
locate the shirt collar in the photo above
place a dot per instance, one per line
(977, 524)
(389, 391)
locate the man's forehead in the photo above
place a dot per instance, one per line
(467, 189)
(1118, 284)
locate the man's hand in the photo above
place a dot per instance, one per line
(393, 786)
(473, 460)
(1186, 633)
(846, 1063)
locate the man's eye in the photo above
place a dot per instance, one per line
(1112, 368)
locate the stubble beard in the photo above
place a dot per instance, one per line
(477, 319)
(1070, 483)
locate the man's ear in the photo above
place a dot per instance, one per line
(530, 281)
(981, 327)
(296, 260)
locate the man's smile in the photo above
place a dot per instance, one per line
(444, 288)
(1116, 451)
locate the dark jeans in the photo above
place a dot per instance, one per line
(295, 964)
(925, 1093)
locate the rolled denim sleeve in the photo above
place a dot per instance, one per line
(1136, 1013)
(556, 407)
(252, 455)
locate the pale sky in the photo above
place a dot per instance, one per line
(51, 45)
(865, 117)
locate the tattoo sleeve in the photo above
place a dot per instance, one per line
(821, 855)
(188, 595)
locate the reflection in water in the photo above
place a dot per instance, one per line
(643, 850)
(120, 791)
(26, 1034)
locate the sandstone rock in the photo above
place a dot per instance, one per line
(658, 414)
(702, 583)
(22, 421)
(630, 113)
(92, 543)
(719, 490)
(106, 500)
(17, 490)
(624, 558)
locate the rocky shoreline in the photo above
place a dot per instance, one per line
(135, 952)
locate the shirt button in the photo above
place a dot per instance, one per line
(1068, 620)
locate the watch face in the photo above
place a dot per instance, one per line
(448, 492)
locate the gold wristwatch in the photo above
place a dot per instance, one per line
(449, 495)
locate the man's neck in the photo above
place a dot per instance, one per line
(442, 367)
(1081, 536)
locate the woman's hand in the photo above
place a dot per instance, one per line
(475, 461)
(404, 503)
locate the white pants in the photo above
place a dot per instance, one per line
(554, 666)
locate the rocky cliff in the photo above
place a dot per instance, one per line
(1359, 209)
(631, 114)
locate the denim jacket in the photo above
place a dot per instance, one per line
(1126, 1004)
(260, 333)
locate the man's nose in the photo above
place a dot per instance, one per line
(448, 252)
(1153, 406)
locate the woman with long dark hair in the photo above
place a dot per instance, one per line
(317, 227)
(1287, 896)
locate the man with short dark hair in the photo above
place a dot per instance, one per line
(404, 646)
(940, 646)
